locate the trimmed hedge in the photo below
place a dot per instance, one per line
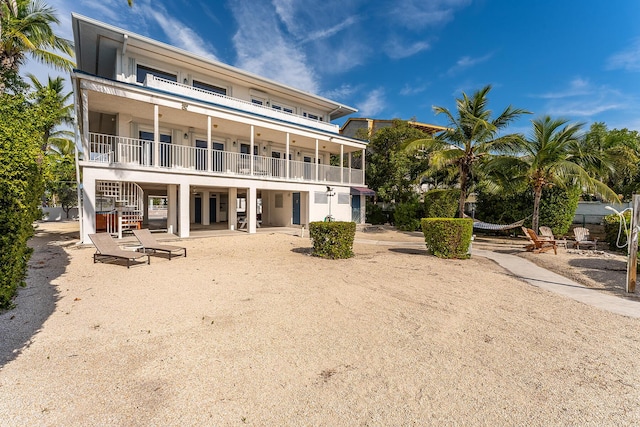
(332, 239)
(441, 203)
(407, 215)
(448, 237)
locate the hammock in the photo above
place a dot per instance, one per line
(497, 227)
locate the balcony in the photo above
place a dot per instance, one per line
(238, 104)
(118, 150)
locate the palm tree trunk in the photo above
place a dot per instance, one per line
(537, 195)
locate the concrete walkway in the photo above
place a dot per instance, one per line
(543, 278)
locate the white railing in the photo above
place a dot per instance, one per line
(240, 104)
(122, 150)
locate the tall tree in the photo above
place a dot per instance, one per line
(59, 110)
(26, 29)
(551, 157)
(472, 135)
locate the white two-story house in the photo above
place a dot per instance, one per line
(220, 146)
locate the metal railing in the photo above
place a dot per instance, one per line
(113, 149)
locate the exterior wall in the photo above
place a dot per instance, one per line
(593, 212)
(57, 214)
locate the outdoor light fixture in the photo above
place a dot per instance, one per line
(234, 143)
(186, 136)
(215, 126)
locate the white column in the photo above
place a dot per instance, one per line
(251, 150)
(252, 209)
(205, 208)
(316, 160)
(88, 206)
(85, 124)
(349, 167)
(232, 213)
(341, 163)
(363, 168)
(172, 208)
(156, 135)
(183, 219)
(209, 157)
(287, 156)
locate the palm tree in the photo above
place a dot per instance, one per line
(25, 27)
(551, 156)
(472, 135)
(59, 110)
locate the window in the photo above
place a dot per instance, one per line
(257, 101)
(312, 116)
(210, 88)
(142, 72)
(280, 107)
(344, 198)
(320, 198)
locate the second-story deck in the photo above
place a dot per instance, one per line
(143, 154)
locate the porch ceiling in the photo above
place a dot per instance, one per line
(186, 121)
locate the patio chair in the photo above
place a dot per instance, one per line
(582, 238)
(539, 245)
(547, 234)
(149, 243)
(107, 250)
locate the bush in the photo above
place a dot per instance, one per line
(448, 237)
(557, 208)
(21, 187)
(441, 203)
(611, 230)
(376, 215)
(332, 239)
(407, 215)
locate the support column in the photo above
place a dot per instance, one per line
(251, 150)
(350, 161)
(632, 262)
(85, 124)
(286, 156)
(205, 208)
(363, 168)
(316, 162)
(341, 163)
(183, 205)
(156, 135)
(232, 213)
(209, 157)
(88, 207)
(252, 210)
(172, 208)
(145, 209)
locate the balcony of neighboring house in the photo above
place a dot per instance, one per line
(143, 154)
(274, 112)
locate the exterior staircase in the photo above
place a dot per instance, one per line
(128, 198)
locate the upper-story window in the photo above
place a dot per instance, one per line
(281, 107)
(257, 101)
(142, 71)
(312, 116)
(210, 88)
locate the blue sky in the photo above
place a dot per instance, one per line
(579, 60)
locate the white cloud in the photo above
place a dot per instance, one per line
(329, 32)
(420, 14)
(373, 104)
(628, 59)
(467, 62)
(413, 89)
(397, 49)
(582, 108)
(577, 87)
(342, 92)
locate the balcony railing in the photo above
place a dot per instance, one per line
(113, 149)
(239, 104)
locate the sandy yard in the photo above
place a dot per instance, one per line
(251, 330)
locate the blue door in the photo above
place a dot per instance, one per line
(296, 208)
(355, 209)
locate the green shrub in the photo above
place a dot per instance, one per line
(557, 208)
(332, 239)
(376, 215)
(448, 237)
(21, 187)
(611, 230)
(441, 203)
(407, 215)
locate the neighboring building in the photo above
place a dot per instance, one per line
(352, 125)
(218, 146)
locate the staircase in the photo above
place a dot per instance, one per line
(128, 202)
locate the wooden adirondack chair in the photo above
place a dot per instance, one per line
(538, 244)
(547, 234)
(582, 238)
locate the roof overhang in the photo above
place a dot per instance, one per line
(362, 191)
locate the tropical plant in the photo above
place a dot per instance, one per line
(26, 29)
(471, 136)
(60, 184)
(58, 110)
(550, 157)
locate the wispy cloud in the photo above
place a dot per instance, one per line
(342, 92)
(467, 62)
(577, 87)
(373, 104)
(420, 14)
(628, 59)
(413, 89)
(397, 49)
(329, 32)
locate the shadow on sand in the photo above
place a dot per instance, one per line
(37, 300)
